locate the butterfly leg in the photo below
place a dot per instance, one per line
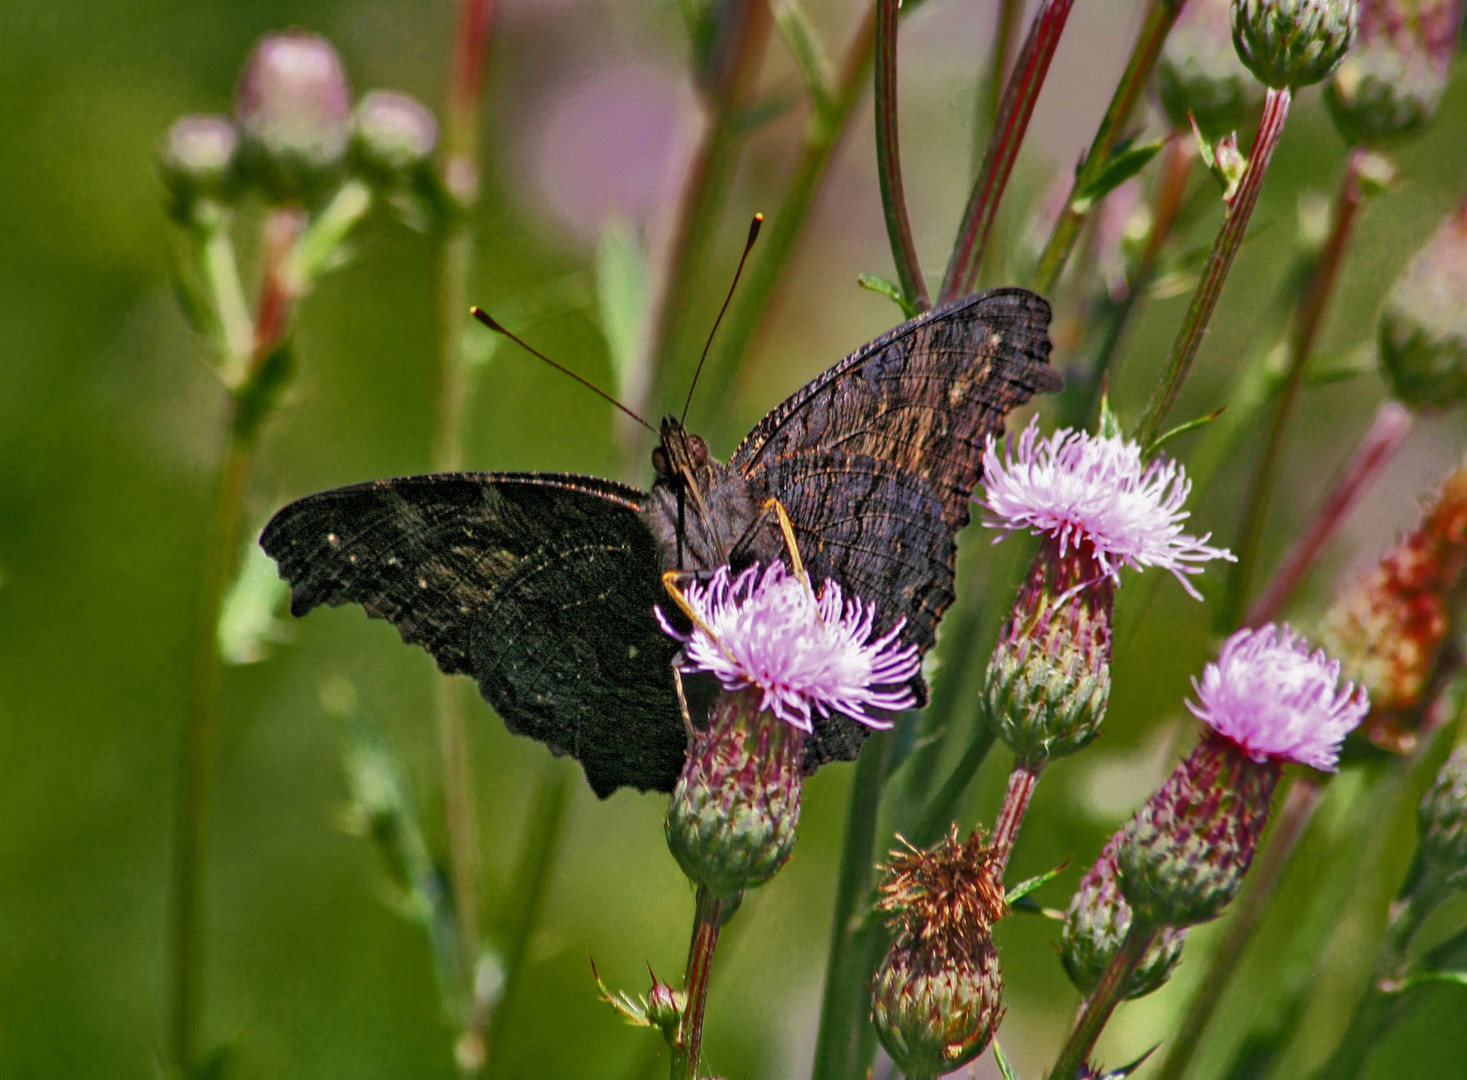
(682, 701)
(787, 530)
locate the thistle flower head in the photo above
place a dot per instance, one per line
(1293, 43)
(1273, 698)
(808, 655)
(1094, 491)
(1392, 81)
(197, 161)
(1423, 330)
(392, 135)
(1442, 817)
(1199, 76)
(293, 109)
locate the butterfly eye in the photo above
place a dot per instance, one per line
(659, 462)
(697, 451)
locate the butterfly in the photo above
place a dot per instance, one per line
(542, 586)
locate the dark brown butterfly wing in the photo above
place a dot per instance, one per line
(876, 460)
(541, 586)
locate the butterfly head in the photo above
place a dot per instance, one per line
(681, 459)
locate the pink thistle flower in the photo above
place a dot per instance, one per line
(1273, 698)
(807, 654)
(1094, 491)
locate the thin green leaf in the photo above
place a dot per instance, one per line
(794, 27)
(890, 290)
(1001, 1060)
(621, 294)
(1428, 978)
(1110, 424)
(1182, 429)
(1124, 162)
(1126, 1070)
(1024, 888)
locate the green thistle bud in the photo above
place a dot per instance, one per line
(1293, 43)
(1182, 858)
(1199, 74)
(1392, 82)
(293, 108)
(936, 998)
(1442, 817)
(1096, 924)
(393, 136)
(197, 164)
(1423, 331)
(731, 823)
(1048, 683)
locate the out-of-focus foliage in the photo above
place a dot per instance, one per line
(109, 426)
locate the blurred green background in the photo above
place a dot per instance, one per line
(109, 422)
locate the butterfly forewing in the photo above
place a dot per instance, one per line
(542, 586)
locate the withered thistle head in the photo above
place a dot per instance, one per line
(1388, 629)
(936, 998)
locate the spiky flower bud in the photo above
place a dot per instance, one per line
(1393, 79)
(393, 136)
(1388, 628)
(936, 998)
(1443, 820)
(1423, 330)
(293, 108)
(782, 654)
(1268, 699)
(731, 823)
(1293, 43)
(1199, 75)
(1096, 924)
(197, 163)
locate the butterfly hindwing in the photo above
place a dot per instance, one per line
(541, 586)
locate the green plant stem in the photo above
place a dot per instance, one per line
(226, 522)
(888, 159)
(710, 915)
(1128, 91)
(784, 228)
(221, 277)
(944, 804)
(1392, 423)
(1022, 781)
(1243, 919)
(460, 174)
(844, 1007)
(1219, 262)
(1103, 1001)
(1010, 126)
(1307, 319)
(539, 850)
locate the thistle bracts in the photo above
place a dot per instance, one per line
(1442, 818)
(1048, 683)
(936, 998)
(1292, 43)
(1388, 629)
(1096, 923)
(1182, 858)
(1423, 331)
(1391, 82)
(731, 823)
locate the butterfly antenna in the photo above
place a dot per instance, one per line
(489, 321)
(748, 246)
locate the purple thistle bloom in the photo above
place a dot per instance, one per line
(804, 653)
(1090, 489)
(1273, 698)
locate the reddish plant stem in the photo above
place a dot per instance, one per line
(1103, 1001)
(710, 916)
(1393, 422)
(1133, 80)
(1012, 123)
(888, 159)
(1022, 782)
(1219, 262)
(1308, 317)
